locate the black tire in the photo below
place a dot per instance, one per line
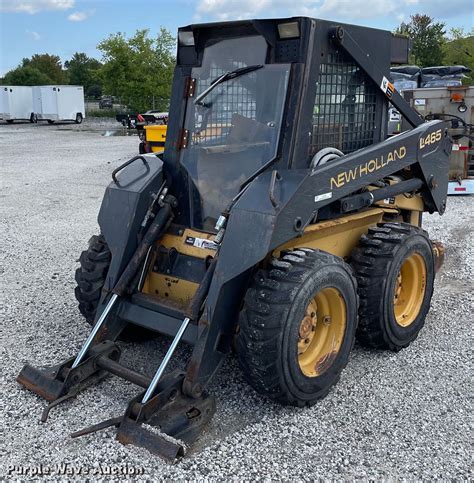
(78, 118)
(90, 276)
(50, 121)
(10, 121)
(33, 118)
(377, 263)
(141, 148)
(273, 310)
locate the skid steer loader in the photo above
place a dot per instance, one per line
(278, 218)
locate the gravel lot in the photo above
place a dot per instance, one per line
(405, 415)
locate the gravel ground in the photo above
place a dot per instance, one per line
(405, 415)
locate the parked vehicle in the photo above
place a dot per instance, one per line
(59, 103)
(16, 104)
(106, 102)
(454, 105)
(240, 235)
(153, 137)
(156, 117)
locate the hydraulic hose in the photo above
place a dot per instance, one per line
(157, 226)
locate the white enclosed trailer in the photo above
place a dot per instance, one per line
(16, 103)
(59, 103)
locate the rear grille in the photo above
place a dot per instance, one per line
(345, 106)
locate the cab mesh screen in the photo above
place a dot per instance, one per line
(230, 98)
(344, 108)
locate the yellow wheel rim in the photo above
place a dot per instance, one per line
(321, 332)
(409, 290)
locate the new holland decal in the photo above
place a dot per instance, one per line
(370, 166)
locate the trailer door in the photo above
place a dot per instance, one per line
(4, 103)
(49, 103)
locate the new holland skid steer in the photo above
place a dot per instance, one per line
(279, 220)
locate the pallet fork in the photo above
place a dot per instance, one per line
(162, 418)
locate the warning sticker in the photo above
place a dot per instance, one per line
(201, 243)
(387, 87)
(324, 196)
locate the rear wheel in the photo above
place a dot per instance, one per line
(394, 266)
(78, 118)
(10, 121)
(50, 121)
(297, 326)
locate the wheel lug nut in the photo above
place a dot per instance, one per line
(326, 319)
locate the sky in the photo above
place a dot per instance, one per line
(63, 27)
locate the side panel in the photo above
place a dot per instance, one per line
(48, 102)
(70, 102)
(16, 102)
(338, 236)
(123, 209)
(4, 103)
(21, 102)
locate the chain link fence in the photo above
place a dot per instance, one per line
(110, 106)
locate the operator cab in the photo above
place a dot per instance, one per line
(234, 121)
(263, 93)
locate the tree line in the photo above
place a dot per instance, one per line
(139, 68)
(433, 46)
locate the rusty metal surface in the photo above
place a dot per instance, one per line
(132, 433)
(325, 362)
(439, 252)
(42, 381)
(97, 427)
(119, 370)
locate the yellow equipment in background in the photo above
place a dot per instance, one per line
(155, 137)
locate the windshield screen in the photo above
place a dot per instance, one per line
(234, 128)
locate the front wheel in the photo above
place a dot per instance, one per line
(50, 121)
(297, 326)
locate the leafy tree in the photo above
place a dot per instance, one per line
(94, 90)
(83, 71)
(428, 38)
(26, 76)
(459, 50)
(139, 69)
(49, 65)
